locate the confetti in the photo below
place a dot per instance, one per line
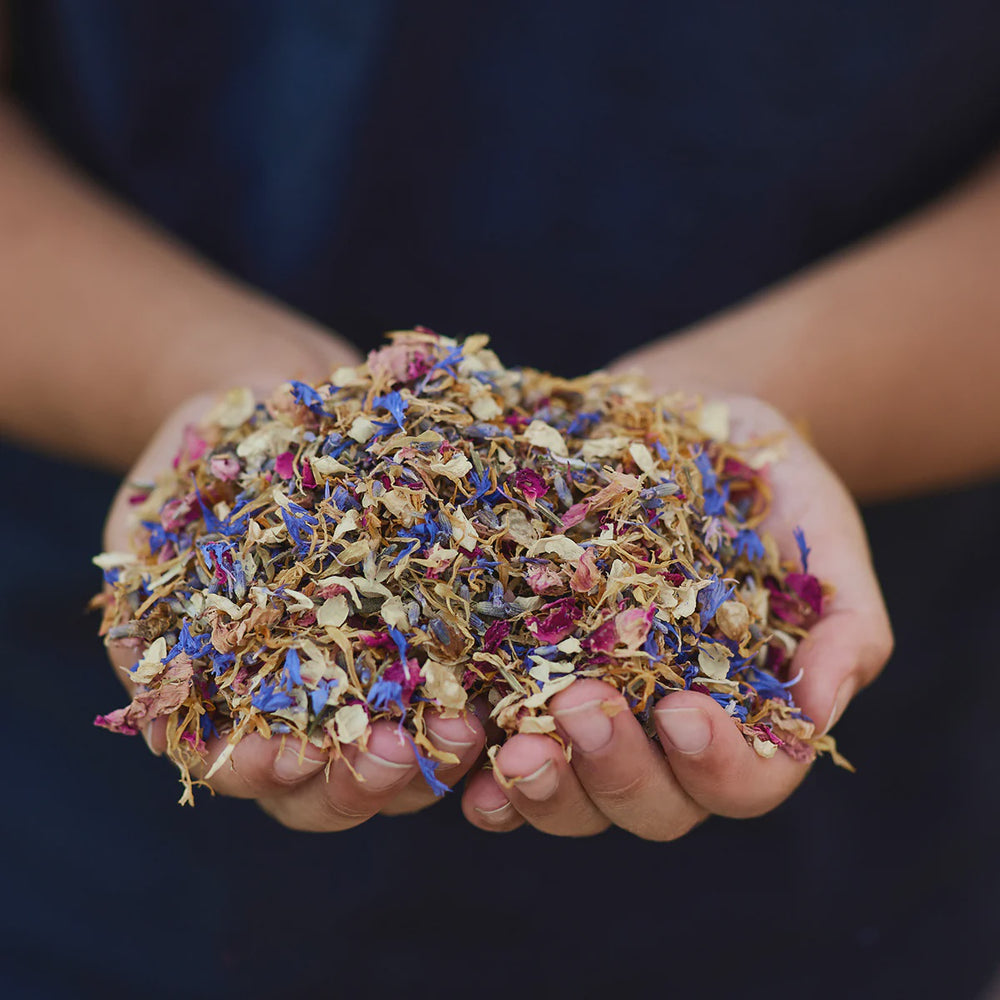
(432, 528)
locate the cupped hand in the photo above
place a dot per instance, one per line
(296, 783)
(701, 764)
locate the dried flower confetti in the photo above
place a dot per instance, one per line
(432, 527)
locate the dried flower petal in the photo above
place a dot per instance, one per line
(354, 550)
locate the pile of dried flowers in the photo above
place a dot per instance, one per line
(432, 527)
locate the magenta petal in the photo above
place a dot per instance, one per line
(494, 635)
(116, 722)
(407, 679)
(603, 639)
(530, 483)
(808, 588)
(284, 465)
(176, 513)
(376, 639)
(556, 623)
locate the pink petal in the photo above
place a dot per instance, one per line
(574, 515)
(545, 580)
(633, 626)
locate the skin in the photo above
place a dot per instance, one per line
(91, 291)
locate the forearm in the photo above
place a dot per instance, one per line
(888, 352)
(107, 323)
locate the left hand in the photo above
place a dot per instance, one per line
(306, 791)
(701, 764)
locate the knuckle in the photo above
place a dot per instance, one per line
(345, 813)
(621, 792)
(235, 787)
(240, 782)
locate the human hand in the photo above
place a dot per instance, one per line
(702, 764)
(295, 783)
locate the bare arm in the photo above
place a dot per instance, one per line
(107, 323)
(888, 351)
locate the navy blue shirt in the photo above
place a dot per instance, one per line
(576, 179)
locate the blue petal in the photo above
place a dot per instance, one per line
(710, 598)
(400, 640)
(396, 406)
(804, 550)
(269, 699)
(747, 543)
(384, 693)
(708, 476)
(427, 769)
(716, 499)
(317, 698)
(293, 666)
(307, 396)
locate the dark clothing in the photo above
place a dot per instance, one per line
(565, 174)
(575, 179)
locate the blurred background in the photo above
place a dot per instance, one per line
(602, 176)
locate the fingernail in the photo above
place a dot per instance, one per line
(687, 729)
(540, 784)
(457, 747)
(844, 694)
(147, 735)
(378, 773)
(288, 768)
(496, 815)
(587, 725)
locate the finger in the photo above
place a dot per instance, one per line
(463, 737)
(533, 771)
(256, 767)
(621, 771)
(124, 654)
(485, 804)
(713, 763)
(852, 642)
(842, 654)
(349, 798)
